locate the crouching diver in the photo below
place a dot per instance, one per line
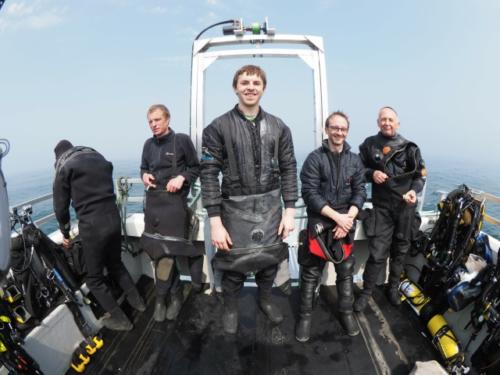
(254, 151)
(169, 167)
(84, 178)
(334, 192)
(397, 172)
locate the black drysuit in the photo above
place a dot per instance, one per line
(84, 178)
(167, 157)
(263, 161)
(335, 180)
(390, 224)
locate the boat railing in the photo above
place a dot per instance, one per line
(125, 185)
(32, 202)
(481, 196)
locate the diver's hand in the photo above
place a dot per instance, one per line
(148, 180)
(344, 221)
(379, 177)
(175, 184)
(287, 223)
(66, 243)
(339, 233)
(220, 237)
(410, 197)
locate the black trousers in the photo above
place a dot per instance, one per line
(232, 282)
(101, 239)
(393, 228)
(309, 278)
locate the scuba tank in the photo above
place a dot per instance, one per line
(446, 342)
(414, 295)
(4, 215)
(442, 336)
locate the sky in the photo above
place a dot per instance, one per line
(88, 70)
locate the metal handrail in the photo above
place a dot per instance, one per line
(34, 201)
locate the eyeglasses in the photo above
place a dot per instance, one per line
(338, 129)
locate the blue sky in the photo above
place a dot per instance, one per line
(88, 70)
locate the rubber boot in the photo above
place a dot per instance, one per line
(230, 315)
(349, 323)
(345, 286)
(361, 302)
(135, 300)
(303, 328)
(160, 312)
(308, 280)
(117, 320)
(286, 288)
(271, 310)
(175, 305)
(393, 295)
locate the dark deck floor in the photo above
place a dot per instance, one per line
(196, 344)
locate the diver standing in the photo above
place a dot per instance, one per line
(333, 190)
(397, 172)
(169, 167)
(83, 177)
(254, 152)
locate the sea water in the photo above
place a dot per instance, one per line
(443, 176)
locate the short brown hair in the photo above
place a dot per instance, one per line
(250, 70)
(160, 107)
(337, 113)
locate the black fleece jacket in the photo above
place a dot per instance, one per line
(158, 155)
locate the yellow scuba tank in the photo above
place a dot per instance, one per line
(414, 295)
(443, 337)
(445, 340)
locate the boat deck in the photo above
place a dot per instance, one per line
(390, 341)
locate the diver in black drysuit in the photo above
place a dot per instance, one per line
(332, 185)
(397, 172)
(258, 170)
(166, 156)
(84, 178)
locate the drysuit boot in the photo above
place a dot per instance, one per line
(230, 315)
(135, 300)
(361, 302)
(160, 312)
(308, 281)
(196, 287)
(117, 321)
(393, 295)
(272, 311)
(286, 288)
(176, 300)
(303, 328)
(349, 323)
